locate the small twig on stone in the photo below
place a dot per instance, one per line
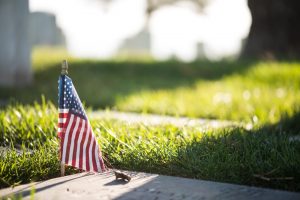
(272, 171)
(273, 179)
(261, 177)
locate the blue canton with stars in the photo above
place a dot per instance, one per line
(68, 97)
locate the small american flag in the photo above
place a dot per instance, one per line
(78, 145)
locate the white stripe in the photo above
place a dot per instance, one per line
(60, 129)
(73, 140)
(79, 142)
(84, 148)
(62, 120)
(90, 150)
(97, 158)
(64, 110)
(66, 139)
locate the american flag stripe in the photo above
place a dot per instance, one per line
(65, 138)
(93, 153)
(88, 152)
(76, 143)
(63, 114)
(79, 144)
(96, 156)
(84, 162)
(62, 118)
(69, 138)
(73, 140)
(81, 148)
(101, 160)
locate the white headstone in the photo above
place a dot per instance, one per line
(15, 65)
(44, 30)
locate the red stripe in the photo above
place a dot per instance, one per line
(81, 145)
(94, 156)
(87, 160)
(63, 136)
(102, 165)
(62, 115)
(61, 125)
(69, 139)
(76, 141)
(101, 161)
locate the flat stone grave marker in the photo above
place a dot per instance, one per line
(142, 186)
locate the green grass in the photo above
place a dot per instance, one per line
(229, 155)
(265, 94)
(259, 94)
(246, 91)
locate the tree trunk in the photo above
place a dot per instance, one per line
(275, 29)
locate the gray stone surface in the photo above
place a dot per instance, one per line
(142, 186)
(153, 119)
(15, 67)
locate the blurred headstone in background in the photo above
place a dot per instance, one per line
(139, 44)
(44, 30)
(15, 66)
(200, 51)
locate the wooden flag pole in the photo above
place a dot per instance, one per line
(64, 67)
(64, 71)
(62, 169)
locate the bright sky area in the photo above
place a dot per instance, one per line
(97, 30)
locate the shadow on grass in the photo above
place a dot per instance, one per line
(287, 124)
(253, 158)
(264, 157)
(101, 83)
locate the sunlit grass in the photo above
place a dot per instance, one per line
(260, 94)
(43, 57)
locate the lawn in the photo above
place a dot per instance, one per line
(264, 95)
(249, 91)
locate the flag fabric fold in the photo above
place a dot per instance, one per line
(78, 145)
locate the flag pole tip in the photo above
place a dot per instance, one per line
(64, 67)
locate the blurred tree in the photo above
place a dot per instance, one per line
(275, 29)
(153, 5)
